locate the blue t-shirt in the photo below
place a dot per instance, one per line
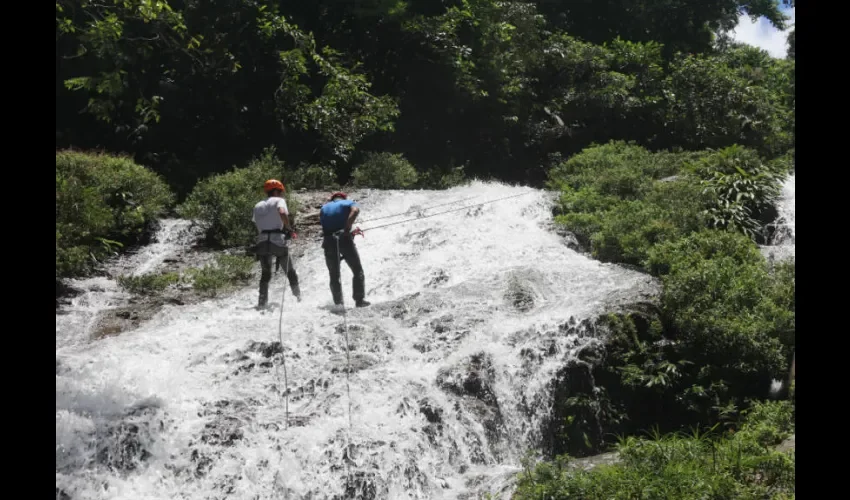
(334, 214)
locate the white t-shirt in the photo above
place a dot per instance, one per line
(267, 217)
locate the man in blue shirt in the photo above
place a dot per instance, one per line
(336, 218)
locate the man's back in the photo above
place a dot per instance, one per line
(267, 213)
(334, 214)
(267, 218)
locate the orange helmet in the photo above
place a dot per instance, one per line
(273, 184)
(338, 194)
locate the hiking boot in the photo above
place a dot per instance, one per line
(362, 303)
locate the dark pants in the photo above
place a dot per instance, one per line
(266, 253)
(348, 251)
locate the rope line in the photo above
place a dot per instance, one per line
(420, 209)
(345, 326)
(280, 338)
(347, 453)
(447, 211)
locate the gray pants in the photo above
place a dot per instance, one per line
(266, 253)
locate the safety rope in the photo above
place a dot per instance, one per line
(420, 209)
(345, 326)
(347, 452)
(446, 211)
(280, 338)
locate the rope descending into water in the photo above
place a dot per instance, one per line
(345, 326)
(280, 339)
(347, 372)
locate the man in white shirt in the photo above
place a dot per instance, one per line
(272, 219)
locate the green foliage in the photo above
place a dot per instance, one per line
(222, 275)
(225, 272)
(148, 284)
(442, 178)
(103, 203)
(717, 101)
(741, 186)
(727, 318)
(630, 229)
(729, 315)
(496, 86)
(223, 76)
(385, 171)
(224, 202)
(311, 176)
(614, 199)
(701, 465)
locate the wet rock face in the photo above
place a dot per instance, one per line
(125, 445)
(473, 380)
(520, 296)
(434, 416)
(226, 426)
(223, 430)
(360, 485)
(266, 349)
(588, 391)
(438, 278)
(354, 363)
(259, 356)
(64, 293)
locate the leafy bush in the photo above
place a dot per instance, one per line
(741, 186)
(618, 169)
(385, 171)
(224, 202)
(222, 274)
(730, 316)
(727, 321)
(701, 465)
(711, 104)
(628, 231)
(623, 231)
(442, 178)
(148, 284)
(226, 271)
(311, 176)
(103, 203)
(688, 253)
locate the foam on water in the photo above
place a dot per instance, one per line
(74, 324)
(187, 406)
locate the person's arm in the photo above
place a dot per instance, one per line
(352, 215)
(284, 214)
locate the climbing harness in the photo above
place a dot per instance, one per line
(420, 209)
(361, 231)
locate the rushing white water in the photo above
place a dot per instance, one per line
(782, 245)
(75, 324)
(187, 406)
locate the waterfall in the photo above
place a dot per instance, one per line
(450, 367)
